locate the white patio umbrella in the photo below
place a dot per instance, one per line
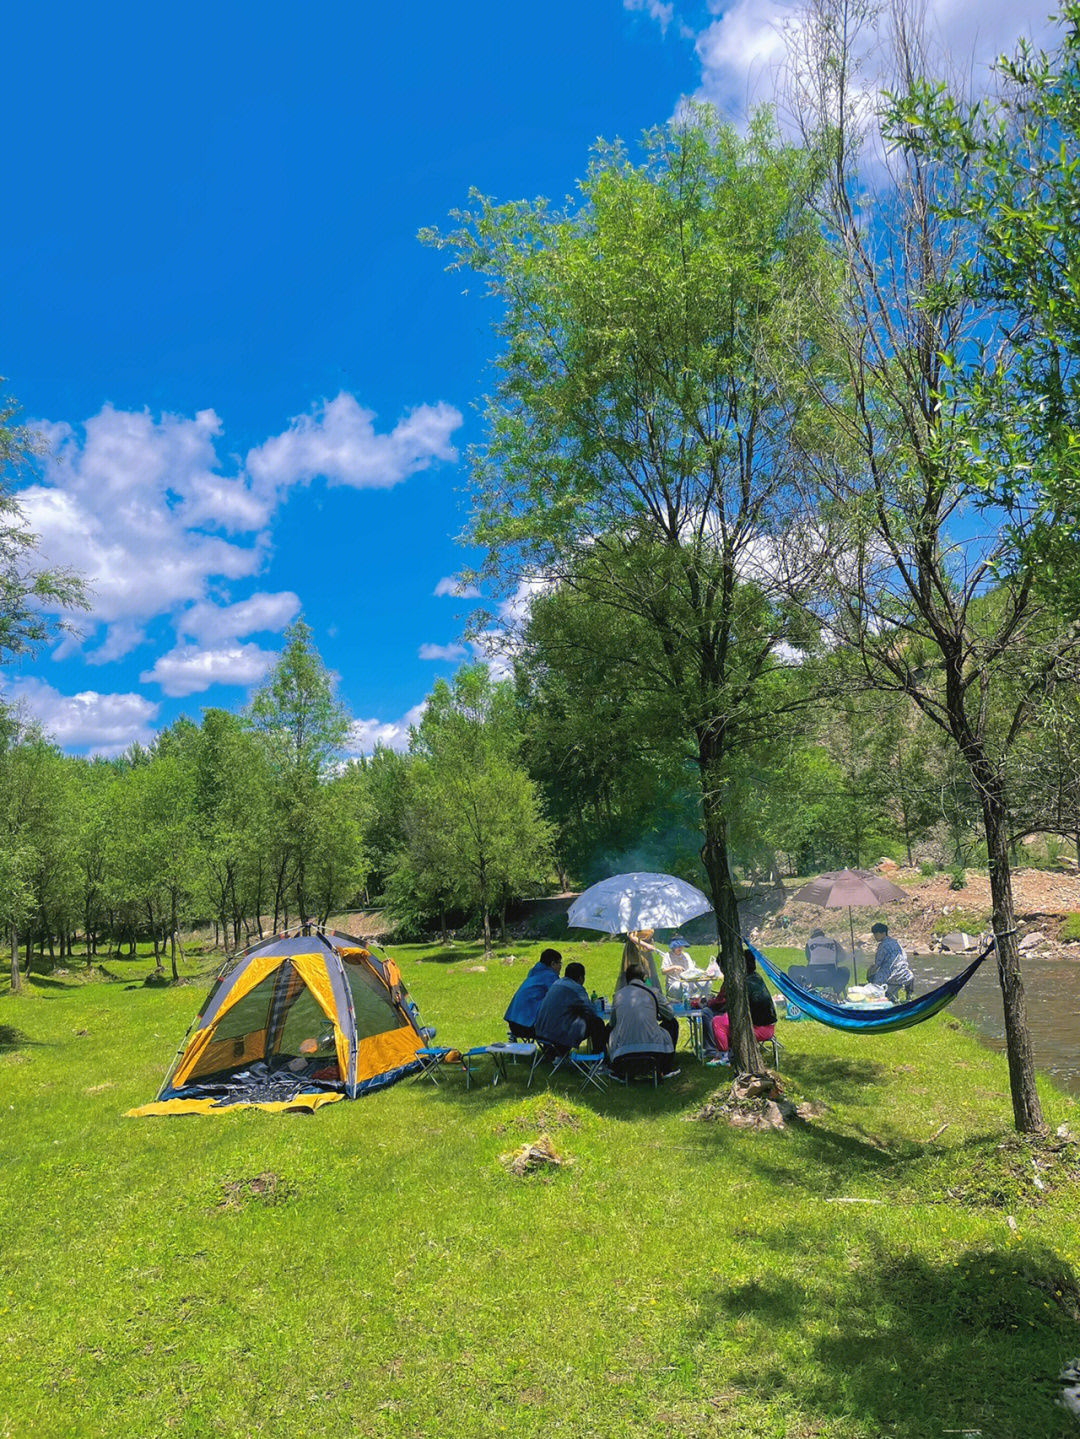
(640, 900)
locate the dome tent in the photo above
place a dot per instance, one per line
(297, 1021)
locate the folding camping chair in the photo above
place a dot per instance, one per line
(554, 1054)
(431, 1059)
(637, 1066)
(589, 1067)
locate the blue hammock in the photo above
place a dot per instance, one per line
(870, 1021)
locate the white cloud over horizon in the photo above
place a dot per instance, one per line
(144, 508)
(105, 724)
(366, 735)
(338, 441)
(743, 51)
(211, 623)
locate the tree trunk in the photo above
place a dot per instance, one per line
(172, 942)
(487, 928)
(745, 1055)
(29, 952)
(1027, 1111)
(16, 977)
(158, 966)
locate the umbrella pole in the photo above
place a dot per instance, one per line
(851, 930)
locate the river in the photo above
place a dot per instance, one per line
(1053, 1004)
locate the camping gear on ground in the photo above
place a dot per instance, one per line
(848, 888)
(636, 901)
(264, 1012)
(876, 1020)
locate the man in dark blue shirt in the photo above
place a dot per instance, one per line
(567, 1018)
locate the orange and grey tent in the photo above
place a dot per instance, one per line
(296, 1022)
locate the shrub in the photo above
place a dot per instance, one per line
(959, 878)
(927, 868)
(1070, 930)
(963, 919)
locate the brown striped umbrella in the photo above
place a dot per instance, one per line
(850, 888)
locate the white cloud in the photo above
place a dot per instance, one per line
(120, 639)
(339, 442)
(443, 652)
(125, 504)
(189, 669)
(365, 735)
(454, 585)
(743, 52)
(655, 9)
(102, 723)
(210, 623)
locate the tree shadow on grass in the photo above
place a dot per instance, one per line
(12, 1039)
(454, 955)
(927, 1347)
(631, 1102)
(833, 1078)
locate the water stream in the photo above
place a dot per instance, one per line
(1053, 1003)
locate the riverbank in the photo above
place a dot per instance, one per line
(930, 909)
(890, 1267)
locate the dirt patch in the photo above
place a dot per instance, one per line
(538, 1156)
(268, 1188)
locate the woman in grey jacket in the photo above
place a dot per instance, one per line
(644, 1030)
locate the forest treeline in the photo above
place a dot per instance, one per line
(249, 822)
(783, 445)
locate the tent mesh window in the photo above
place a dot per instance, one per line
(306, 1020)
(245, 1026)
(375, 1011)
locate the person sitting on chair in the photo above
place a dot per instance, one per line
(522, 1010)
(566, 1018)
(820, 949)
(644, 1030)
(890, 968)
(762, 1010)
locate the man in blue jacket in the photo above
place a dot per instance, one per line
(521, 1015)
(567, 1018)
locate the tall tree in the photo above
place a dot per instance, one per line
(936, 593)
(481, 826)
(645, 434)
(302, 727)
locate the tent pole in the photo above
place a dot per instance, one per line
(851, 930)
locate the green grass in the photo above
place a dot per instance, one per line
(675, 1279)
(1070, 930)
(971, 921)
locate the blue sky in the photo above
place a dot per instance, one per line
(255, 381)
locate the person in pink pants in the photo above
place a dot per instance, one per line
(762, 1009)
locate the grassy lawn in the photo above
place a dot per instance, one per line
(393, 1279)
